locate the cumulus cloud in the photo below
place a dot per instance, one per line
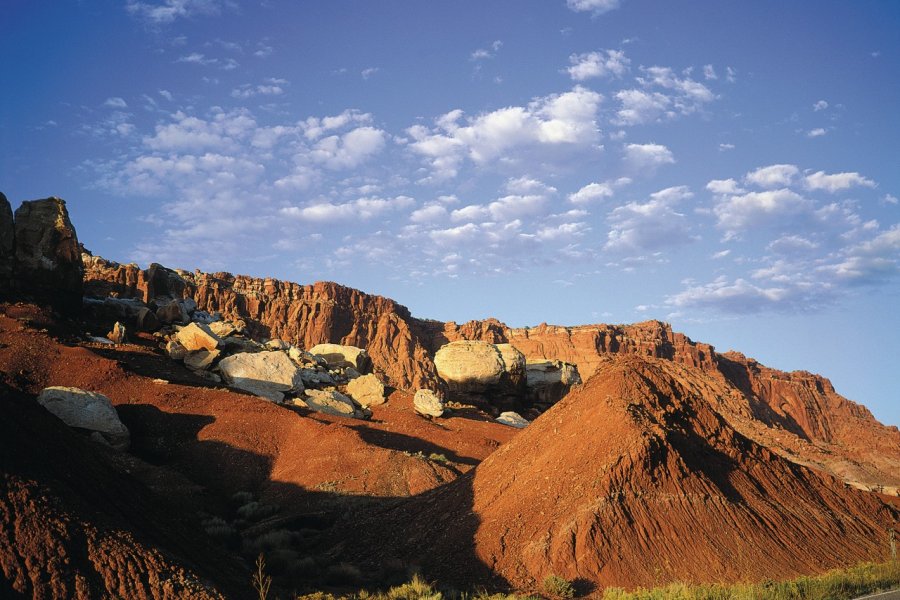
(271, 87)
(709, 72)
(361, 208)
(168, 11)
(772, 176)
(603, 63)
(836, 182)
(637, 107)
(648, 156)
(726, 147)
(429, 213)
(559, 119)
(115, 102)
(820, 105)
(369, 72)
(738, 296)
(724, 186)
(663, 96)
(817, 132)
(597, 7)
(741, 212)
(647, 226)
(484, 53)
(350, 149)
(593, 192)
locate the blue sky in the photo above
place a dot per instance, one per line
(730, 167)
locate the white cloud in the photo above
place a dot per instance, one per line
(724, 186)
(689, 95)
(223, 132)
(428, 214)
(369, 72)
(470, 213)
(484, 53)
(563, 231)
(817, 132)
(360, 209)
(603, 63)
(597, 7)
(648, 156)
(272, 87)
(889, 199)
(837, 181)
(591, 193)
(820, 105)
(115, 102)
(559, 119)
(739, 296)
(314, 127)
(772, 176)
(652, 225)
(739, 213)
(638, 107)
(166, 94)
(170, 10)
(725, 147)
(709, 72)
(350, 149)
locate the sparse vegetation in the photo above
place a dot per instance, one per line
(261, 581)
(841, 584)
(438, 458)
(558, 587)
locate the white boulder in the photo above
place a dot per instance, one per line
(428, 403)
(367, 390)
(513, 419)
(337, 355)
(86, 410)
(265, 374)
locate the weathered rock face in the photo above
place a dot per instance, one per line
(48, 259)
(490, 375)
(265, 374)
(7, 246)
(86, 410)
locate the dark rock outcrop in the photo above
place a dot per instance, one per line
(48, 258)
(7, 247)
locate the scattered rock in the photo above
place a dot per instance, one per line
(332, 403)
(175, 350)
(277, 344)
(146, 320)
(118, 335)
(86, 410)
(351, 373)
(480, 373)
(173, 312)
(197, 336)
(367, 390)
(223, 329)
(316, 378)
(337, 355)
(265, 374)
(428, 403)
(48, 260)
(200, 359)
(513, 419)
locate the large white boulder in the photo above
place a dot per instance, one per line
(86, 410)
(265, 374)
(513, 419)
(367, 390)
(330, 402)
(469, 364)
(337, 355)
(428, 403)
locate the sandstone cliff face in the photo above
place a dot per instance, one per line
(797, 414)
(7, 245)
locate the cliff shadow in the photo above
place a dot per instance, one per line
(406, 443)
(312, 538)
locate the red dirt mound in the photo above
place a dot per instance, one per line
(636, 480)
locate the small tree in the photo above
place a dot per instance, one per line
(261, 581)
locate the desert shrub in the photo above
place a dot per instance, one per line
(438, 458)
(416, 589)
(556, 586)
(303, 568)
(218, 529)
(256, 511)
(271, 540)
(241, 498)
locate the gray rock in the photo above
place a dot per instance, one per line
(265, 374)
(200, 359)
(223, 329)
(276, 344)
(48, 260)
(367, 390)
(337, 355)
(428, 403)
(146, 320)
(513, 419)
(175, 350)
(332, 403)
(86, 410)
(548, 381)
(173, 312)
(316, 377)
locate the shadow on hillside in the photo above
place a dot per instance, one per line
(405, 443)
(314, 538)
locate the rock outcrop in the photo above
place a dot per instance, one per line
(477, 372)
(48, 264)
(366, 390)
(548, 381)
(86, 410)
(342, 356)
(7, 247)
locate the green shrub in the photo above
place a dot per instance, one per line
(556, 586)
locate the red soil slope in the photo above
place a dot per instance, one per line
(639, 481)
